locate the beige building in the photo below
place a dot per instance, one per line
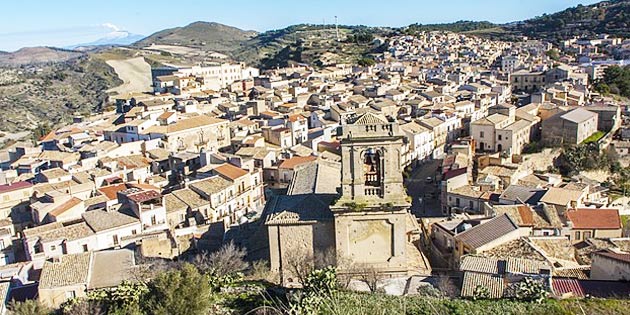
(192, 134)
(584, 224)
(569, 128)
(610, 265)
(72, 276)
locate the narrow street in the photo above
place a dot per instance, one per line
(424, 193)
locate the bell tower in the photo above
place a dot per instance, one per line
(371, 215)
(371, 148)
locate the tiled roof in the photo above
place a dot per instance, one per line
(295, 161)
(522, 194)
(485, 233)
(622, 257)
(230, 171)
(173, 204)
(100, 220)
(70, 270)
(144, 196)
(495, 284)
(518, 248)
(560, 196)
(508, 265)
(594, 218)
(581, 273)
(57, 231)
(316, 178)
(109, 268)
(15, 186)
(61, 209)
(298, 208)
(212, 185)
(111, 192)
(185, 124)
(191, 198)
(556, 248)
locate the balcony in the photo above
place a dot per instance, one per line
(373, 191)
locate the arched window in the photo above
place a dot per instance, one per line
(372, 168)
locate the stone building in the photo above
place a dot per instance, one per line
(368, 226)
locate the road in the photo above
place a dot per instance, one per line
(418, 187)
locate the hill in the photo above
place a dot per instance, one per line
(316, 45)
(606, 17)
(49, 93)
(37, 55)
(208, 36)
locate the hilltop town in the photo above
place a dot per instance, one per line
(446, 162)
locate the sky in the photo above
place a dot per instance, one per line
(27, 23)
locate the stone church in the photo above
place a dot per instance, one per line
(354, 214)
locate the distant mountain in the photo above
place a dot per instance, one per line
(116, 38)
(209, 36)
(37, 55)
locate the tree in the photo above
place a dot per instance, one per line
(29, 307)
(366, 62)
(553, 54)
(370, 275)
(179, 292)
(299, 263)
(228, 260)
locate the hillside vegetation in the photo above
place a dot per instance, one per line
(607, 17)
(51, 93)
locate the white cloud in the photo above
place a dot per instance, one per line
(111, 27)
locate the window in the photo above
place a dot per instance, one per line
(133, 232)
(481, 134)
(578, 236)
(52, 247)
(70, 295)
(587, 235)
(153, 220)
(471, 204)
(115, 238)
(85, 248)
(500, 137)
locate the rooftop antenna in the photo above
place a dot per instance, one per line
(336, 28)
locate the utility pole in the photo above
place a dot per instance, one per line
(336, 28)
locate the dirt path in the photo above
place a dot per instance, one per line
(540, 161)
(135, 74)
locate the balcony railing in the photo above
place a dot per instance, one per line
(373, 192)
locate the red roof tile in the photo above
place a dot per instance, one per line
(296, 160)
(145, 196)
(230, 171)
(594, 218)
(111, 192)
(624, 257)
(15, 186)
(526, 215)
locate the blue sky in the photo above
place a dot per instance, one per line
(65, 22)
